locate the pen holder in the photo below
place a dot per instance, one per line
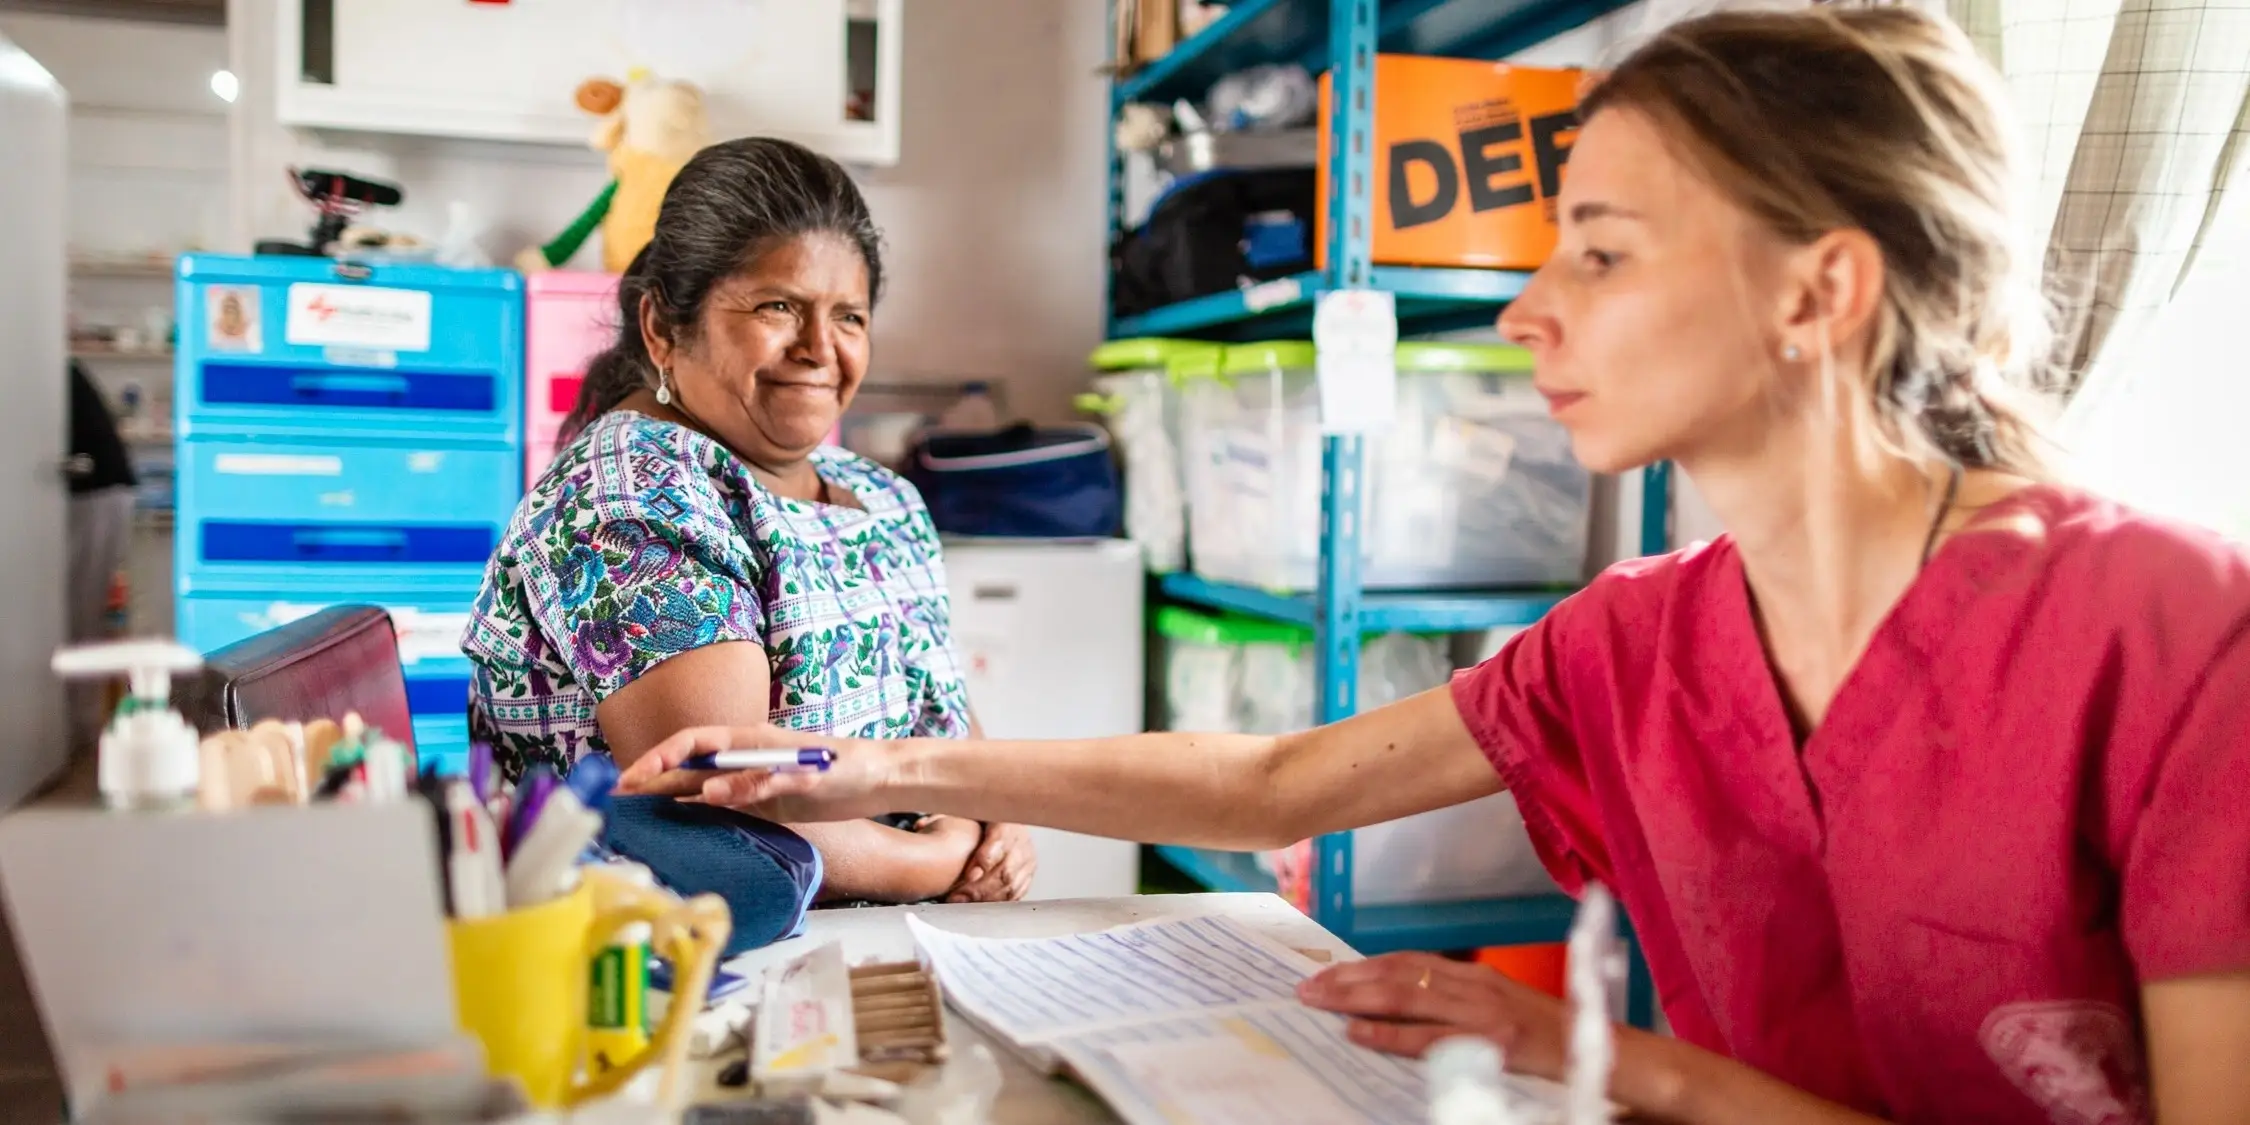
(520, 983)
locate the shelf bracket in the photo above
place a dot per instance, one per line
(1352, 27)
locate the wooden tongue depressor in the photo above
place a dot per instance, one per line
(321, 737)
(898, 1013)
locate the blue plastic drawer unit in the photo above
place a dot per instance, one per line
(291, 348)
(338, 512)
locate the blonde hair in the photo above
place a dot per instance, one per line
(1882, 120)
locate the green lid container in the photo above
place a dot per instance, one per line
(1268, 355)
(1414, 357)
(1440, 358)
(1178, 623)
(1180, 359)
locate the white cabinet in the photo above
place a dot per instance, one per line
(1050, 637)
(824, 73)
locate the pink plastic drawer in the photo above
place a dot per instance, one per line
(538, 453)
(569, 317)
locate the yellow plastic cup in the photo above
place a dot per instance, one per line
(520, 983)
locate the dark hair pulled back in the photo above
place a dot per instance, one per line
(726, 206)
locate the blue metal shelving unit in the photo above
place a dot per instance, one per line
(1350, 33)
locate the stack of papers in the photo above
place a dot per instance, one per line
(1187, 1022)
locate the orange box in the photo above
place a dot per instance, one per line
(1542, 966)
(1468, 158)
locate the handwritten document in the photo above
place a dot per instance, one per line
(1186, 1022)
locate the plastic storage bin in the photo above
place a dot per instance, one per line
(1472, 485)
(569, 318)
(1229, 674)
(1137, 394)
(316, 348)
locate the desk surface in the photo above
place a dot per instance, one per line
(1026, 1096)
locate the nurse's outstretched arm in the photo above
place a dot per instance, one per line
(1209, 790)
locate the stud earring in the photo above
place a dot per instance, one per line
(663, 388)
(1788, 352)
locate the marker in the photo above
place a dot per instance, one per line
(481, 769)
(816, 758)
(541, 864)
(473, 860)
(539, 784)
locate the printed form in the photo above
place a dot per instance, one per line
(1187, 1022)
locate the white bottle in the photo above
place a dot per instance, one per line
(1466, 1087)
(150, 757)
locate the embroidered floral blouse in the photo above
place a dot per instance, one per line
(646, 539)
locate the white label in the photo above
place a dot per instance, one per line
(425, 461)
(359, 357)
(358, 316)
(341, 498)
(277, 465)
(423, 635)
(1356, 332)
(1259, 298)
(1479, 451)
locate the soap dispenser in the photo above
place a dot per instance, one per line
(150, 756)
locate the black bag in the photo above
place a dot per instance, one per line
(1214, 232)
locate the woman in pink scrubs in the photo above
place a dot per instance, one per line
(1927, 786)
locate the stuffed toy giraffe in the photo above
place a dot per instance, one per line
(649, 127)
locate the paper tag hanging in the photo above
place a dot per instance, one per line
(1356, 332)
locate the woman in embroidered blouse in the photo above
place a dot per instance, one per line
(695, 554)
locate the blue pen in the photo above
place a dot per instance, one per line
(780, 761)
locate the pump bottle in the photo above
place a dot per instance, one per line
(150, 757)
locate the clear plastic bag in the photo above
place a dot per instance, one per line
(1155, 505)
(1276, 96)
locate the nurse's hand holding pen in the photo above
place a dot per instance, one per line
(856, 783)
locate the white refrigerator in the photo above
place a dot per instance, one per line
(1050, 639)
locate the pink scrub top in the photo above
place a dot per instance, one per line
(2031, 795)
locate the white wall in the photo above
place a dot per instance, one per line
(148, 161)
(994, 214)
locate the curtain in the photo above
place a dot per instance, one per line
(2137, 114)
(2134, 112)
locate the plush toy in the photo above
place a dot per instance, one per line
(649, 127)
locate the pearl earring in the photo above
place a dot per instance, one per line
(1788, 352)
(663, 388)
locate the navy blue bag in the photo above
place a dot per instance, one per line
(1022, 482)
